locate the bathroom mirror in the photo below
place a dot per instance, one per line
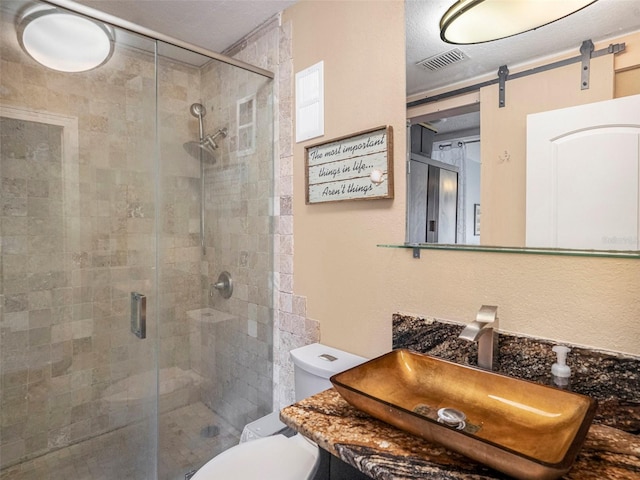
(585, 198)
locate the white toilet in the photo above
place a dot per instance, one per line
(263, 452)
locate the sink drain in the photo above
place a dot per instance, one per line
(452, 418)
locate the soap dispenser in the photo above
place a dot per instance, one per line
(559, 370)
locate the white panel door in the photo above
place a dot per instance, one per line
(583, 176)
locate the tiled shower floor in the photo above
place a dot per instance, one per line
(185, 444)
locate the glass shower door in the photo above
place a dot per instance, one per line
(77, 165)
(215, 140)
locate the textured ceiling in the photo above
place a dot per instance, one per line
(601, 20)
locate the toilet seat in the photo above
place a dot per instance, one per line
(276, 457)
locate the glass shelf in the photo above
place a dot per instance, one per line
(632, 254)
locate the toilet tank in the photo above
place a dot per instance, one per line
(314, 364)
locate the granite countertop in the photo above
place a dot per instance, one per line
(383, 452)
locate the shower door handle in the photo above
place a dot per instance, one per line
(138, 315)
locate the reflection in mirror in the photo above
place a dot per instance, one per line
(582, 171)
(443, 179)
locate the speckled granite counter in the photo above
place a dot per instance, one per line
(384, 452)
(611, 450)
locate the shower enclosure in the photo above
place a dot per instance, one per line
(137, 182)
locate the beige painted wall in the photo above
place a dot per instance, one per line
(353, 287)
(362, 45)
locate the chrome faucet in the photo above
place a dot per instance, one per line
(484, 330)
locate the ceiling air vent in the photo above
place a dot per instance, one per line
(443, 59)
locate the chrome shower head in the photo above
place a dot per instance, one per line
(200, 151)
(205, 147)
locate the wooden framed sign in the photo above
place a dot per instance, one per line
(353, 167)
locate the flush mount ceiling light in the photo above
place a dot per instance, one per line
(477, 21)
(64, 41)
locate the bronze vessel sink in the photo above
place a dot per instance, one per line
(520, 428)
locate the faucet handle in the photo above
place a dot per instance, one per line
(487, 314)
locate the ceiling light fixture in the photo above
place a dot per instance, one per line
(478, 21)
(64, 41)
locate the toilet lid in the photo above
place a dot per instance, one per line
(276, 457)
